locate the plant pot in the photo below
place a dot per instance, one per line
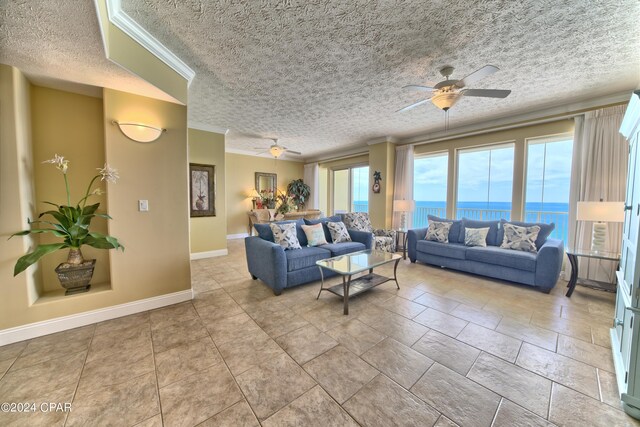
(75, 278)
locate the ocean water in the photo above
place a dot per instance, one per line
(556, 213)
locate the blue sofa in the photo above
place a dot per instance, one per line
(281, 269)
(540, 269)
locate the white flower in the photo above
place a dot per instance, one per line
(60, 163)
(98, 192)
(108, 174)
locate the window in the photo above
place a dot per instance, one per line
(351, 190)
(430, 187)
(485, 182)
(547, 182)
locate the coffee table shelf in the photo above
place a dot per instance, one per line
(360, 285)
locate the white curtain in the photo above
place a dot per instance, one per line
(403, 183)
(599, 172)
(312, 179)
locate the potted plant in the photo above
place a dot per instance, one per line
(287, 203)
(300, 192)
(71, 223)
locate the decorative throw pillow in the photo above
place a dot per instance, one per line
(438, 231)
(476, 236)
(338, 232)
(285, 235)
(357, 221)
(520, 238)
(315, 234)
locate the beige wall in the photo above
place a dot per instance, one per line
(518, 136)
(240, 178)
(382, 157)
(209, 233)
(69, 125)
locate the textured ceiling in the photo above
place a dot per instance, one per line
(326, 75)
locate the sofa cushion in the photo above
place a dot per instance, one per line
(449, 250)
(454, 231)
(343, 248)
(492, 236)
(438, 231)
(476, 236)
(338, 232)
(504, 257)
(305, 257)
(520, 238)
(323, 221)
(265, 233)
(285, 236)
(543, 234)
(315, 234)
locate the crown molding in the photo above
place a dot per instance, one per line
(383, 139)
(263, 155)
(207, 128)
(127, 24)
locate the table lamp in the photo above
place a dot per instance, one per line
(403, 206)
(600, 213)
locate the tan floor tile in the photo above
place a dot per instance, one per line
(510, 415)
(561, 369)
(39, 417)
(475, 315)
(199, 397)
(211, 313)
(177, 334)
(280, 323)
(185, 360)
(231, 328)
(313, 409)
(274, 384)
(516, 384)
(66, 336)
(445, 422)
(306, 343)
(325, 316)
(609, 389)
(600, 336)
(457, 397)
(238, 415)
(509, 310)
(5, 365)
(118, 341)
(490, 341)
(442, 304)
(397, 361)
(53, 351)
(127, 403)
(570, 408)
(405, 291)
(115, 369)
(22, 384)
(590, 354)
(583, 315)
(122, 322)
(355, 336)
(155, 421)
(340, 372)
(169, 315)
(441, 322)
(248, 351)
(403, 307)
(384, 403)
(562, 326)
(532, 334)
(393, 325)
(216, 298)
(12, 351)
(447, 351)
(468, 298)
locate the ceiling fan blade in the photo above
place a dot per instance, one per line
(487, 93)
(294, 152)
(409, 107)
(477, 75)
(259, 148)
(419, 88)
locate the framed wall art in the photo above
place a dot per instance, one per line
(202, 190)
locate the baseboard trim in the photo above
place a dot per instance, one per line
(46, 327)
(209, 254)
(237, 236)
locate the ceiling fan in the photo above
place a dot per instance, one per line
(276, 150)
(446, 93)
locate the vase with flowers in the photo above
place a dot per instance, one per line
(268, 198)
(71, 223)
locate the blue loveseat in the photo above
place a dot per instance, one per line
(281, 269)
(540, 269)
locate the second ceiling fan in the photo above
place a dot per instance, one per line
(446, 93)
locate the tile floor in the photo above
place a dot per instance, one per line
(446, 349)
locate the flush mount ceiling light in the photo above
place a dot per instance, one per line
(139, 132)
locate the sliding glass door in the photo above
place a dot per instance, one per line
(351, 190)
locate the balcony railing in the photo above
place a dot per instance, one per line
(360, 207)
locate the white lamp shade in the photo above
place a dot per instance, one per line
(600, 211)
(140, 132)
(404, 205)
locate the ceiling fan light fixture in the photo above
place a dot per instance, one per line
(276, 151)
(445, 100)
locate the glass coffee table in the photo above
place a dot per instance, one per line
(355, 263)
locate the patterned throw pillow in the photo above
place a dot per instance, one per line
(357, 221)
(285, 235)
(520, 238)
(476, 236)
(338, 232)
(438, 231)
(315, 234)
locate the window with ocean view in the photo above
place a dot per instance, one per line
(485, 182)
(430, 187)
(547, 182)
(351, 190)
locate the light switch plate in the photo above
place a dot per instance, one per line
(143, 205)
